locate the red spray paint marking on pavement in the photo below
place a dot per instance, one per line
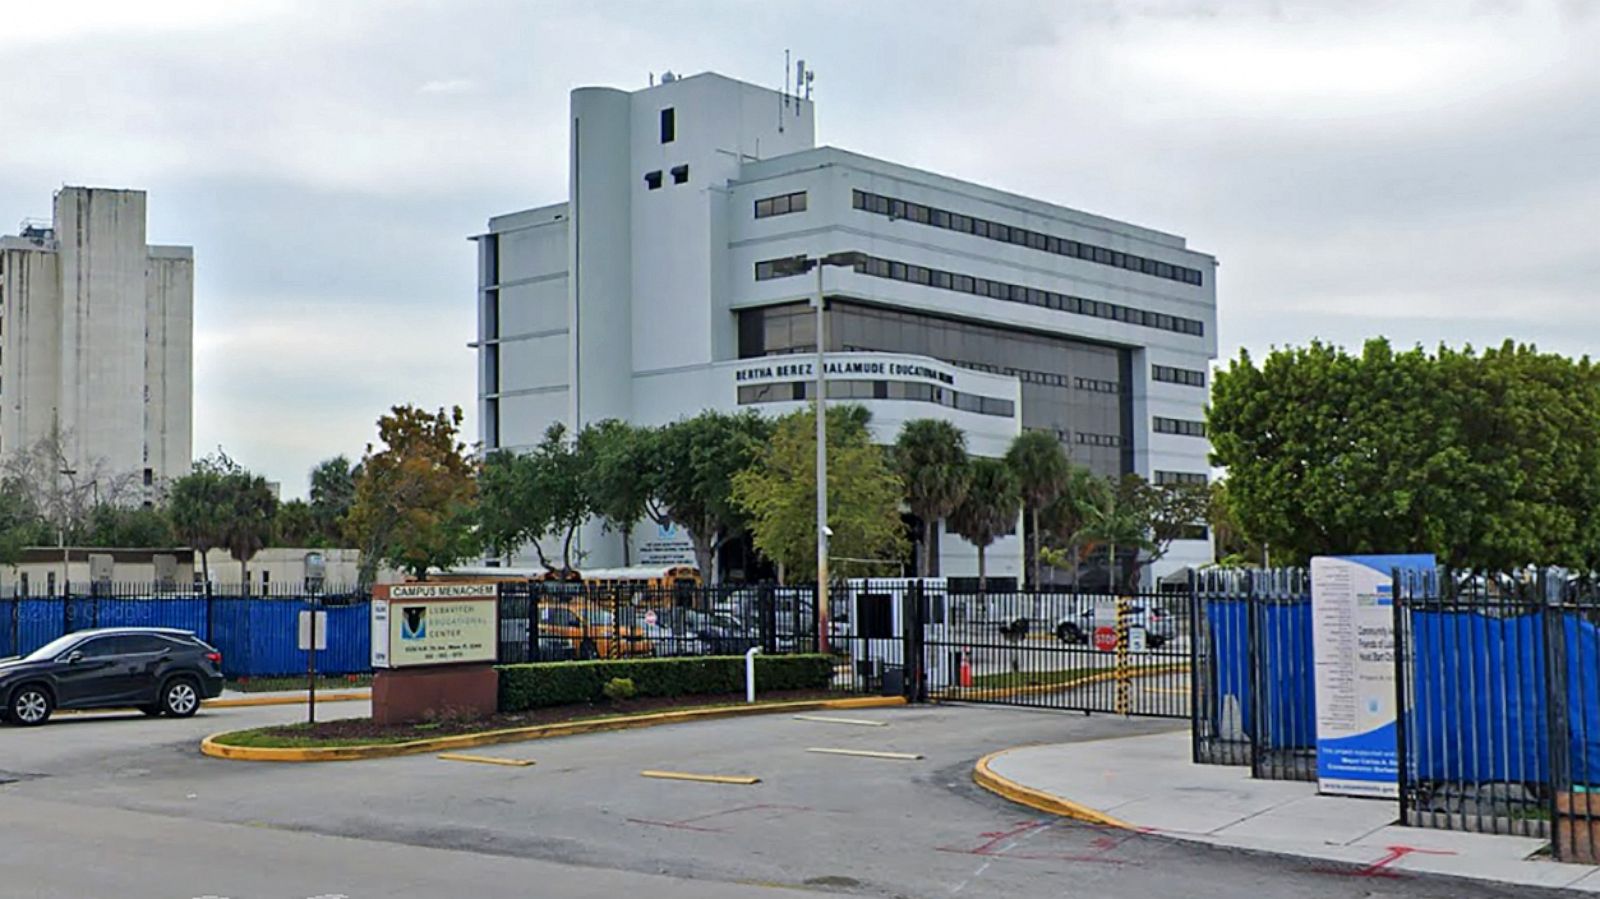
(1381, 867)
(992, 847)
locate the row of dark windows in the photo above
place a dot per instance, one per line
(1051, 378)
(1099, 439)
(1098, 385)
(769, 269)
(1183, 427)
(799, 391)
(1169, 478)
(1173, 375)
(782, 204)
(955, 221)
(680, 175)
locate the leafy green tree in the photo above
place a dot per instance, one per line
(691, 478)
(415, 496)
(779, 491)
(20, 524)
(930, 456)
(1487, 461)
(141, 527)
(988, 511)
(1121, 520)
(1064, 520)
(1042, 468)
(505, 496)
(295, 524)
(558, 474)
(333, 490)
(616, 457)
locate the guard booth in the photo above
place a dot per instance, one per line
(892, 620)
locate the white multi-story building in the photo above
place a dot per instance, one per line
(96, 340)
(658, 290)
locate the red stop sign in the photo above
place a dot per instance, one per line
(1105, 638)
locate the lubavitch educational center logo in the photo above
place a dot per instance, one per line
(414, 623)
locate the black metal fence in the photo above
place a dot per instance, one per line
(1498, 683)
(1253, 680)
(1071, 651)
(1122, 654)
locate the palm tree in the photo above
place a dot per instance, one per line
(1042, 469)
(1118, 520)
(252, 508)
(930, 456)
(1065, 517)
(989, 510)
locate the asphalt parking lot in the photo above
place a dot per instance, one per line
(161, 821)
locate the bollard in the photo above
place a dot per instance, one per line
(750, 673)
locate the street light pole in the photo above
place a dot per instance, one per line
(822, 470)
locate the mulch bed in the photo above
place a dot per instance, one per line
(364, 728)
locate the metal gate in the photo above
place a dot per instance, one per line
(1088, 652)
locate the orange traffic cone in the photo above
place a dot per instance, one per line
(966, 668)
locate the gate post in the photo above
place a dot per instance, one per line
(1124, 698)
(913, 651)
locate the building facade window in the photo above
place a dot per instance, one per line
(1046, 365)
(948, 219)
(491, 423)
(652, 180)
(1183, 427)
(680, 174)
(1000, 290)
(911, 391)
(669, 125)
(1173, 375)
(1172, 478)
(782, 204)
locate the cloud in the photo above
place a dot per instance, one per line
(1421, 170)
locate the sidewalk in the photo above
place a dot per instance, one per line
(1148, 784)
(243, 699)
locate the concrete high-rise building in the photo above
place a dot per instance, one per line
(660, 287)
(97, 340)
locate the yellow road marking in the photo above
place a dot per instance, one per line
(871, 754)
(742, 780)
(485, 759)
(827, 720)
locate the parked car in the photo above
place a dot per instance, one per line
(1160, 627)
(723, 634)
(555, 649)
(159, 671)
(670, 631)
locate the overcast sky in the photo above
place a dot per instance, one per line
(1423, 171)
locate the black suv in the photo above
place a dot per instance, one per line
(159, 671)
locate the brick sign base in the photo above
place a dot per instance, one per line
(408, 695)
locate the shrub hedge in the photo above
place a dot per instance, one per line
(541, 684)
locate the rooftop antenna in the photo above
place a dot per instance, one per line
(802, 84)
(784, 102)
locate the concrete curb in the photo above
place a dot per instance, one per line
(253, 701)
(210, 746)
(984, 776)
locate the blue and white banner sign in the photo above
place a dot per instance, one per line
(1352, 629)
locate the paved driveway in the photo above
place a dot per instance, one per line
(583, 822)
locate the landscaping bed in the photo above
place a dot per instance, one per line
(364, 732)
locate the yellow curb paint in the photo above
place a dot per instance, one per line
(212, 745)
(958, 694)
(741, 780)
(859, 722)
(484, 759)
(983, 775)
(871, 754)
(252, 701)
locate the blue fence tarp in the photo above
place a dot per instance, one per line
(1283, 640)
(257, 636)
(1480, 698)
